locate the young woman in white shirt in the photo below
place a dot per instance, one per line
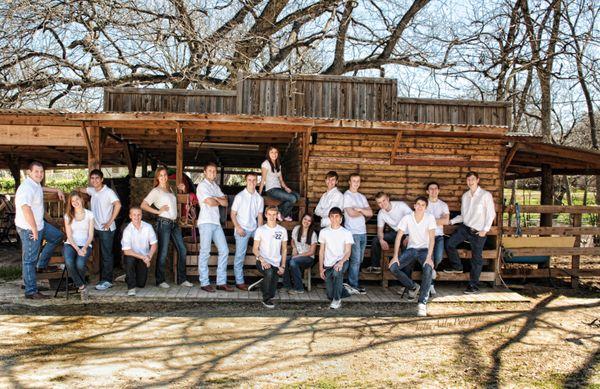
(161, 201)
(272, 180)
(304, 245)
(79, 227)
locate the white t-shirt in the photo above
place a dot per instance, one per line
(248, 206)
(102, 206)
(437, 210)
(335, 242)
(393, 217)
(271, 240)
(158, 198)
(208, 214)
(272, 179)
(356, 225)
(301, 244)
(418, 233)
(329, 199)
(80, 228)
(138, 240)
(29, 193)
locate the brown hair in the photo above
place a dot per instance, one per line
(70, 212)
(311, 229)
(270, 208)
(275, 167)
(379, 195)
(158, 170)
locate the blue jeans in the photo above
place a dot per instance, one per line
(390, 238)
(293, 270)
(463, 233)
(212, 233)
(334, 282)
(167, 231)
(407, 260)
(438, 250)
(106, 239)
(32, 258)
(76, 263)
(287, 200)
(356, 258)
(241, 247)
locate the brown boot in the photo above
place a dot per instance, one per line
(241, 286)
(225, 287)
(37, 296)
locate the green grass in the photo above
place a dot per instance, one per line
(9, 273)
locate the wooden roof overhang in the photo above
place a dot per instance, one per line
(57, 137)
(528, 154)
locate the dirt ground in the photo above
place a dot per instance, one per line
(554, 341)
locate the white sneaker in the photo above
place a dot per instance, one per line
(432, 291)
(335, 304)
(164, 285)
(421, 310)
(351, 290)
(433, 275)
(187, 284)
(131, 292)
(104, 285)
(414, 292)
(120, 278)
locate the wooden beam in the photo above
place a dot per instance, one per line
(509, 157)
(551, 272)
(179, 154)
(145, 164)
(130, 152)
(573, 209)
(575, 259)
(561, 231)
(30, 135)
(547, 194)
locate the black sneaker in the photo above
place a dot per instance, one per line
(361, 290)
(453, 271)
(268, 304)
(471, 290)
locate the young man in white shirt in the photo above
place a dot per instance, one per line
(439, 210)
(334, 254)
(420, 227)
(139, 244)
(247, 216)
(210, 198)
(270, 249)
(390, 213)
(32, 230)
(477, 214)
(332, 198)
(356, 210)
(105, 206)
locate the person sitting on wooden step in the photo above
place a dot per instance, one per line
(272, 180)
(420, 227)
(332, 198)
(439, 210)
(304, 245)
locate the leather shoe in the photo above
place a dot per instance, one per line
(48, 269)
(37, 296)
(208, 288)
(225, 287)
(241, 286)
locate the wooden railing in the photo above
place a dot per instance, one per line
(551, 241)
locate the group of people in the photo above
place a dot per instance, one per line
(416, 234)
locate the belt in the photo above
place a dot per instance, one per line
(166, 220)
(473, 230)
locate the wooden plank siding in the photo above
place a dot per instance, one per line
(452, 111)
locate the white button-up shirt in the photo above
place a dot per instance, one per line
(477, 210)
(329, 199)
(29, 193)
(208, 214)
(248, 206)
(139, 241)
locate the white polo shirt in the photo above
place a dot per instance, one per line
(102, 206)
(418, 233)
(29, 193)
(158, 198)
(437, 210)
(356, 225)
(271, 240)
(248, 206)
(329, 199)
(138, 240)
(335, 242)
(208, 214)
(392, 218)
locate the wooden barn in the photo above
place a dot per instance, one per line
(319, 123)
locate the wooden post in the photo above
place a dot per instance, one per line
(546, 194)
(145, 164)
(131, 158)
(575, 258)
(179, 155)
(153, 164)
(94, 140)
